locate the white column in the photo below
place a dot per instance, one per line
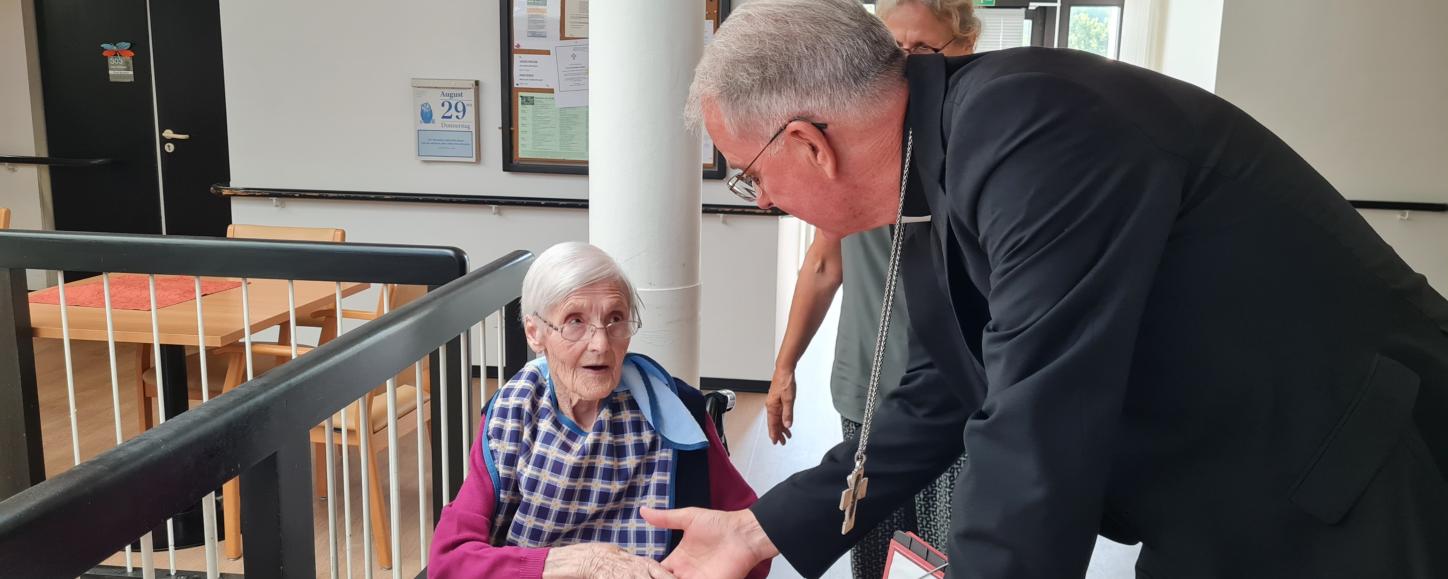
(644, 169)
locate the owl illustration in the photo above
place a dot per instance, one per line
(427, 113)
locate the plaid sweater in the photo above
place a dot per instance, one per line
(463, 543)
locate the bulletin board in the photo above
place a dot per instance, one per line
(544, 84)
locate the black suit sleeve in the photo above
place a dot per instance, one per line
(1072, 207)
(917, 434)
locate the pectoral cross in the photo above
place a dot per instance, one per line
(855, 487)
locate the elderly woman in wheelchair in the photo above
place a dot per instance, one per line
(578, 441)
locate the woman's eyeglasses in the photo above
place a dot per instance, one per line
(742, 184)
(928, 49)
(576, 330)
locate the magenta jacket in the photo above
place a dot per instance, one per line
(460, 546)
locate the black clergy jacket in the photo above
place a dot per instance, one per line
(1142, 316)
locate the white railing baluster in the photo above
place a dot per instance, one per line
(502, 321)
(364, 433)
(346, 470)
(115, 382)
(161, 402)
(148, 558)
(465, 405)
(69, 373)
(394, 488)
(503, 378)
(422, 525)
(442, 428)
(208, 503)
(234, 486)
(246, 329)
(483, 362)
(326, 425)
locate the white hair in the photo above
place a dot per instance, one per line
(773, 60)
(959, 15)
(567, 267)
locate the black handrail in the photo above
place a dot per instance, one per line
(140, 483)
(227, 190)
(51, 161)
(1401, 206)
(220, 257)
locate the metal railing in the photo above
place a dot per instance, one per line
(263, 430)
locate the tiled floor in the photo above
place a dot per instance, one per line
(816, 429)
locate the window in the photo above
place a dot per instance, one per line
(1091, 25)
(1002, 28)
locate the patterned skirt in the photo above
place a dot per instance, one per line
(929, 518)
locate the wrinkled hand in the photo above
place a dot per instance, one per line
(599, 561)
(780, 405)
(716, 544)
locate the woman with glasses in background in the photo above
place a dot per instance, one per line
(580, 440)
(858, 262)
(947, 27)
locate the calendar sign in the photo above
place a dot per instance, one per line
(445, 114)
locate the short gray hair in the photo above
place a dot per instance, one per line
(567, 267)
(773, 60)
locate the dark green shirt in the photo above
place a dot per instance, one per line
(866, 258)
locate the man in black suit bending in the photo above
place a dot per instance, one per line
(1141, 312)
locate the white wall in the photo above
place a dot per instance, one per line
(321, 99)
(1137, 27)
(738, 273)
(1189, 32)
(20, 120)
(1360, 89)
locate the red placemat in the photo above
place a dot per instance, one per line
(132, 292)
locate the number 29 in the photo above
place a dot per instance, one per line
(454, 110)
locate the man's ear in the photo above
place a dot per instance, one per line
(815, 146)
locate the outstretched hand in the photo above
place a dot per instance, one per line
(716, 544)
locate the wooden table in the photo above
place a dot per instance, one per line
(221, 314)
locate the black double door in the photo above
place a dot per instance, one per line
(142, 87)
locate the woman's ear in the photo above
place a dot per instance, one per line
(534, 333)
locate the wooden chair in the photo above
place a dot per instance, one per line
(226, 366)
(222, 361)
(280, 233)
(4, 217)
(375, 402)
(269, 355)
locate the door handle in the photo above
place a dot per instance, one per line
(169, 134)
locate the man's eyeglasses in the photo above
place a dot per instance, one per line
(742, 184)
(928, 49)
(576, 330)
